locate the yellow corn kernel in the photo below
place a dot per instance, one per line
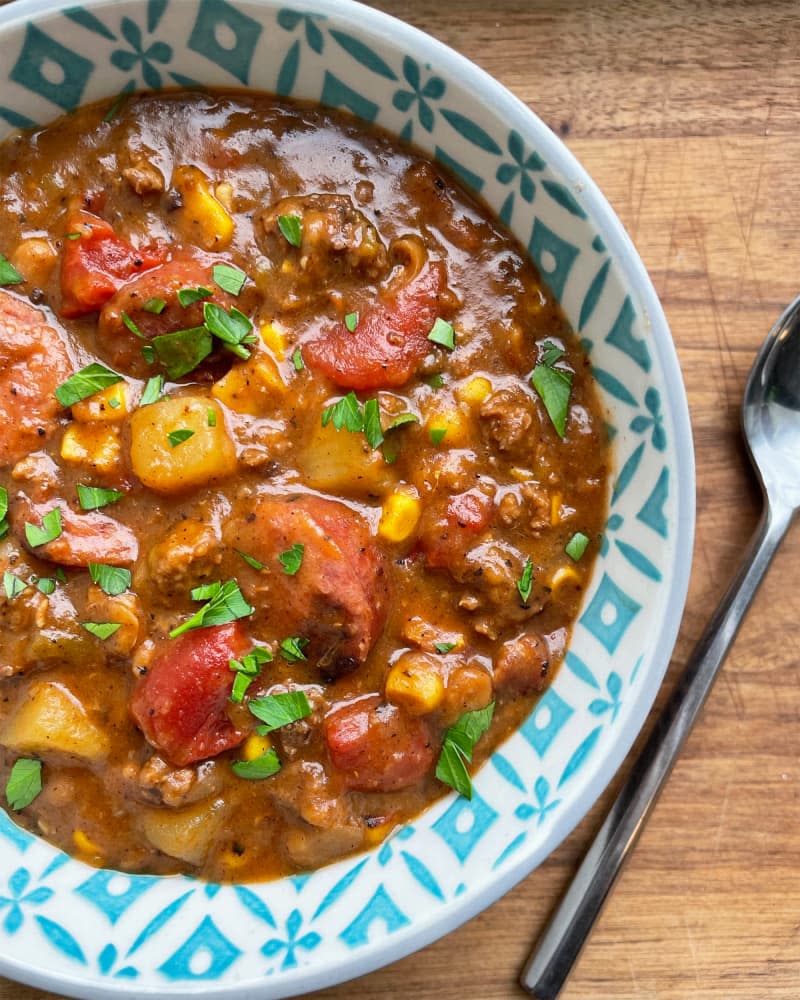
(97, 445)
(109, 406)
(555, 508)
(414, 685)
(374, 835)
(454, 423)
(231, 860)
(287, 266)
(562, 575)
(85, 844)
(475, 391)
(275, 339)
(210, 223)
(253, 387)
(400, 516)
(255, 746)
(522, 475)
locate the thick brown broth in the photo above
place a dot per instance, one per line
(407, 602)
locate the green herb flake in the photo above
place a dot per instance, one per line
(229, 278)
(132, 326)
(277, 710)
(182, 351)
(576, 546)
(292, 228)
(12, 585)
(188, 296)
(155, 305)
(444, 647)
(112, 580)
(114, 404)
(50, 529)
(102, 630)
(351, 321)
(212, 417)
(401, 420)
(72, 236)
(149, 354)
(251, 560)
(3, 511)
(551, 353)
(297, 360)
(226, 604)
(95, 497)
(554, 386)
(372, 423)
(457, 749)
(346, 413)
(24, 783)
(442, 333)
(178, 436)
(262, 767)
(247, 669)
(525, 582)
(292, 559)
(9, 275)
(436, 381)
(85, 383)
(292, 649)
(391, 451)
(233, 328)
(152, 391)
(112, 111)
(437, 435)
(45, 585)
(241, 682)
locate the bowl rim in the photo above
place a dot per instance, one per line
(512, 110)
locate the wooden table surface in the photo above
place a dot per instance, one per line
(688, 116)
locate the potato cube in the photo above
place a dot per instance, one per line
(187, 833)
(202, 215)
(109, 406)
(49, 717)
(342, 461)
(96, 445)
(254, 387)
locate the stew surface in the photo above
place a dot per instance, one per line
(304, 472)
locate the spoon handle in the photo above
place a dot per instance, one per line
(553, 958)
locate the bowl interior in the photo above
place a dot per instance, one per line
(92, 933)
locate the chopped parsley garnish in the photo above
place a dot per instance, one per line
(95, 497)
(112, 580)
(155, 305)
(3, 511)
(403, 418)
(457, 748)
(114, 108)
(297, 360)
(292, 228)
(149, 353)
(436, 381)
(525, 582)
(351, 321)
(551, 353)
(50, 529)
(152, 391)
(212, 417)
(12, 585)
(182, 351)
(179, 436)
(72, 236)
(251, 560)
(554, 386)
(24, 782)
(102, 630)
(188, 296)
(9, 275)
(45, 585)
(132, 326)
(276, 710)
(444, 647)
(262, 767)
(229, 278)
(372, 423)
(225, 604)
(442, 333)
(85, 383)
(292, 648)
(390, 450)
(233, 328)
(292, 559)
(113, 403)
(437, 435)
(349, 414)
(576, 546)
(247, 669)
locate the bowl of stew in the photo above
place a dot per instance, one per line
(346, 494)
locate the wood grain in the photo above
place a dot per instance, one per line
(686, 115)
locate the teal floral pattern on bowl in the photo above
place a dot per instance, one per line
(71, 928)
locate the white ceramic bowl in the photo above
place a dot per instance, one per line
(76, 930)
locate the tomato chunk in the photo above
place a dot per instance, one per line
(378, 747)
(389, 341)
(449, 526)
(96, 262)
(180, 703)
(89, 537)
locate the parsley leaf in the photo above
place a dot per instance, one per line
(525, 582)
(94, 497)
(225, 604)
(132, 326)
(112, 580)
(372, 423)
(178, 436)
(24, 782)
(292, 559)
(276, 710)
(188, 296)
(152, 391)
(12, 585)
(457, 748)
(551, 353)
(251, 560)
(437, 435)
(9, 275)
(292, 649)
(247, 669)
(114, 108)
(233, 328)
(576, 546)
(436, 381)
(155, 305)
(45, 585)
(85, 383)
(297, 360)
(262, 767)
(442, 333)
(229, 278)
(102, 630)
(182, 351)
(554, 386)
(3, 511)
(292, 228)
(50, 530)
(346, 413)
(351, 321)
(403, 418)
(444, 647)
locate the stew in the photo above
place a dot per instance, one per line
(302, 476)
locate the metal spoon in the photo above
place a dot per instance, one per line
(771, 425)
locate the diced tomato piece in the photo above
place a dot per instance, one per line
(97, 262)
(180, 703)
(389, 341)
(378, 746)
(89, 537)
(448, 526)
